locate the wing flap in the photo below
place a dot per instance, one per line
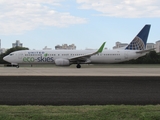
(86, 56)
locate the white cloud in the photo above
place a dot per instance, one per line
(17, 16)
(123, 8)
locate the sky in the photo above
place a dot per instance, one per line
(85, 23)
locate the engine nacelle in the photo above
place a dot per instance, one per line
(62, 62)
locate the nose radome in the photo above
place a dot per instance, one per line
(5, 58)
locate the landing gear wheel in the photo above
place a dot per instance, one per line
(17, 66)
(78, 66)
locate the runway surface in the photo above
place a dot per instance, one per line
(67, 71)
(79, 90)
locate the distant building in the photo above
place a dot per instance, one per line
(17, 44)
(72, 47)
(0, 43)
(120, 45)
(46, 48)
(150, 45)
(65, 47)
(157, 46)
(2, 50)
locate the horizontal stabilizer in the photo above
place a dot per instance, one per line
(145, 51)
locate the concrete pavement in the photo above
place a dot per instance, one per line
(66, 71)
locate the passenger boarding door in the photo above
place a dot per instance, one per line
(20, 56)
(126, 55)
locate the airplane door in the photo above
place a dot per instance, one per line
(126, 55)
(20, 56)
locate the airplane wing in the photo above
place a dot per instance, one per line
(84, 58)
(145, 51)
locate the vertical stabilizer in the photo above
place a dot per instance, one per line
(139, 42)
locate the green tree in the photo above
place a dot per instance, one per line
(9, 51)
(150, 58)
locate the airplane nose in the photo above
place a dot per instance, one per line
(5, 58)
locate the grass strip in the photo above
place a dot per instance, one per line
(108, 112)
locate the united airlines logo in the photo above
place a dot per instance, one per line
(136, 44)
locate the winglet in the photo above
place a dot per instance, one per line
(101, 48)
(84, 57)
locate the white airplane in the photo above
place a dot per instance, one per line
(134, 50)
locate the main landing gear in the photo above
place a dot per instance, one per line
(13, 65)
(78, 66)
(17, 66)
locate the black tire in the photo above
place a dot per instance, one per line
(78, 66)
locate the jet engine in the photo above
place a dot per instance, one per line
(62, 62)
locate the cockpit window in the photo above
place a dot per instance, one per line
(11, 54)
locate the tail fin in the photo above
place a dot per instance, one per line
(139, 42)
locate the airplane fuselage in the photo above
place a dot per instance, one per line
(135, 49)
(49, 56)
